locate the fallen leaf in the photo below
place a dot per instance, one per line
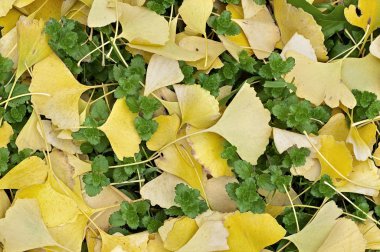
(293, 20)
(44, 9)
(206, 149)
(252, 232)
(5, 203)
(31, 171)
(284, 140)
(8, 45)
(244, 124)
(301, 45)
(195, 14)
(6, 132)
(9, 21)
(5, 6)
(336, 126)
(32, 44)
(23, 228)
(131, 243)
(120, 130)
(161, 72)
(339, 159)
(137, 25)
(217, 196)
(374, 48)
(362, 140)
(168, 126)
(320, 82)
(52, 77)
(100, 14)
(363, 15)
(180, 232)
(198, 107)
(231, 47)
(371, 234)
(22, 3)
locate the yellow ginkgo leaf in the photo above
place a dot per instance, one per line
(244, 124)
(32, 44)
(336, 126)
(156, 244)
(137, 25)
(170, 50)
(374, 49)
(293, 20)
(211, 236)
(23, 228)
(339, 165)
(5, 6)
(311, 237)
(6, 132)
(362, 73)
(78, 12)
(8, 45)
(301, 45)
(63, 169)
(5, 203)
(131, 243)
(207, 148)
(177, 160)
(47, 130)
(56, 208)
(180, 233)
(320, 82)
(29, 136)
(70, 235)
(195, 14)
(259, 28)
(233, 48)
(371, 234)
(210, 50)
(80, 166)
(22, 3)
(168, 126)
(161, 72)
(217, 195)
(9, 21)
(120, 130)
(284, 140)
(362, 140)
(31, 171)
(51, 76)
(161, 190)
(252, 232)
(44, 9)
(364, 179)
(100, 14)
(365, 14)
(198, 107)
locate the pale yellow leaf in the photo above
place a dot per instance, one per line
(5, 203)
(29, 136)
(161, 72)
(320, 82)
(32, 44)
(336, 126)
(371, 234)
(8, 46)
(233, 48)
(63, 169)
(168, 126)
(6, 132)
(23, 228)
(301, 45)
(31, 171)
(51, 76)
(100, 14)
(374, 49)
(284, 140)
(120, 130)
(198, 107)
(44, 9)
(217, 195)
(207, 148)
(244, 124)
(80, 166)
(79, 12)
(195, 14)
(5, 6)
(138, 28)
(293, 20)
(156, 244)
(131, 243)
(362, 140)
(252, 232)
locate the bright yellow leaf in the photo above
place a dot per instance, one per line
(362, 74)
(137, 25)
(181, 232)
(29, 136)
(51, 76)
(5, 203)
(23, 3)
(6, 132)
(56, 208)
(244, 124)
(5, 6)
(195, 14)
(365, 14)
(207, 148)
(79, 12)
(170, 50)
(9, 21)
(320, 82)
(31, 171)
(362, 140)
(233, 48)
(339, 158)
(161, 72)
(198, 107)
(156, 244)
(293, 20)
(120, 130)
(252, 232)
(44, 9)
(23, 228)
(32, 44)
(336, 126)
(168, 126)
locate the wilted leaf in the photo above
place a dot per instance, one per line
(362, 140)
